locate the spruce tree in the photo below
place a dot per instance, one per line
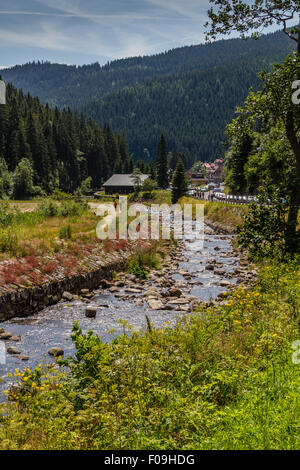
(162, 164)
(179, 182)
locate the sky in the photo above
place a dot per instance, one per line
(86, 31)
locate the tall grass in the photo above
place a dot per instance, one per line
(27, 233)
(144, 259)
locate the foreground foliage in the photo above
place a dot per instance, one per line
(222, 379)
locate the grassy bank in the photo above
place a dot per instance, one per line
(222, 379)
(57, 239)
(225, 217)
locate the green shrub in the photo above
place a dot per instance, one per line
(134, 268)
(9, 242)
(147, 195)
(48, 208)
(6, 216)
(143, 261)
(59, 195)
(65, 232)
(71, 208)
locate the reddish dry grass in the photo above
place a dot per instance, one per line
(49, 268)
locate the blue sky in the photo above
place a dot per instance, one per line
(85, 31)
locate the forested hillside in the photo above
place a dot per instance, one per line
(188, 94)
(89, 82)
(191, 110)
(54, 148)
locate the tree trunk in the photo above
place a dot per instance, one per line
(292, 237)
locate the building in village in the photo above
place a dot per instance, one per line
(212, 173)
(214, 170)
(195, 178)
(122, 184)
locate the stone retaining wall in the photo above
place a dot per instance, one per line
(23, 302)
(219, 227)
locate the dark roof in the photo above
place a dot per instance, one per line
(123, 180)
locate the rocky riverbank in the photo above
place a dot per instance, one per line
(19, 301)
(191, 276)
(218, 227)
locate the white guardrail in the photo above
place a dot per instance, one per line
(222, 197)
(230, 199)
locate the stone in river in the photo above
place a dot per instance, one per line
(56, 352)
(183, 309)
(114, 289)
(225, 283)
(1, 330)
(5, 336)
(67, 296)
(155, 304)
(91, 312)
(22, 358)
(13, 351)
(220, 272)
(132, 290)
(183, 272)
(179, 301)
(152, 292)
(174, 292)
(210, 267)
(15, 338)
(168, 307)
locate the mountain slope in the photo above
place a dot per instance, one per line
(63, 85)
(191, 110)
(189, 94)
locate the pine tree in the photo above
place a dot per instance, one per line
(162, 164)
(61, 148)
(179, 182)
(236, 160)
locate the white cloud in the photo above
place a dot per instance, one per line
(187, 8)
(106, 28)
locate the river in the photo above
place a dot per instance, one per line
(188, 271)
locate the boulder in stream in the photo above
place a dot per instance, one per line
(56, 351)
(5, 336)
(22, 358)
(174, 292)
(91, 312)
(15, 338)
(13, 351)
(155, 304)
(67, 296)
